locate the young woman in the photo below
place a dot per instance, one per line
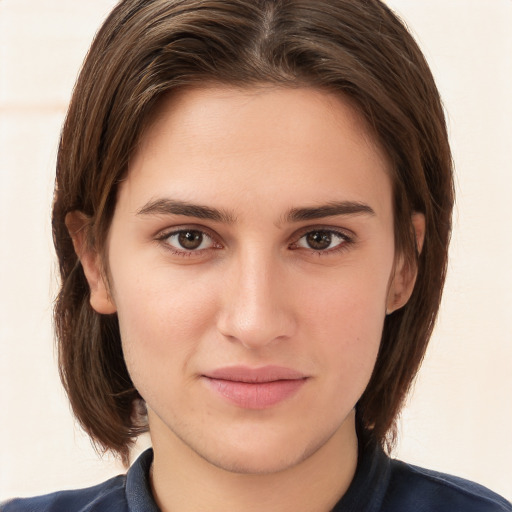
(252, 216)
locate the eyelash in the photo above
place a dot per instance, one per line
(346, 241)
(164, 237)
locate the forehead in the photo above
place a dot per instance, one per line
(299, 112)
(217, 141)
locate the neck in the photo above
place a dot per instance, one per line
(184, 481)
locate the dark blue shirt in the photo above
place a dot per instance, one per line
(380, 484)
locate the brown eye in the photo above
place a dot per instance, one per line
(190, 239)
(186, 240)
(321, 240)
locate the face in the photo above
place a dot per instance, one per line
(251, 261)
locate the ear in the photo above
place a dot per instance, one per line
(78, 225)
(404, 276)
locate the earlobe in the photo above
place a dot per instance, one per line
(404, 276)
(101, 301)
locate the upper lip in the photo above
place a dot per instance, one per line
(270, 373)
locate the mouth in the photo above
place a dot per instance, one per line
(255, 388)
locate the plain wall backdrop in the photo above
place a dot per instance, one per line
(459, 418)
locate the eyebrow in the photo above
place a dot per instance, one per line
(174, 207)
(168, 206)
(329, 210)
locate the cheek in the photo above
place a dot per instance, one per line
(351, 336)
(162, 320)
(346, 320)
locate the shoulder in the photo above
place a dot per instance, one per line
(109, 495)
(123, 493)
(415, 488)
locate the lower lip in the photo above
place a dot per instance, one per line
(255, 395)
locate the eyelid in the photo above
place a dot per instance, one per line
(163, 235)
(343, 232)
(347, 235)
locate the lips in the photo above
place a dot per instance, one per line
(255, 388)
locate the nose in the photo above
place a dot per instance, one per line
(257, 305)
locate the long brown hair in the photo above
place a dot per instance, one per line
(356, 48)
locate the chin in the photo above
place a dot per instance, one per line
(259, 452)
(255, 462)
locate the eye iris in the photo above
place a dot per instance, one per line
(190, 239)
(319, 240)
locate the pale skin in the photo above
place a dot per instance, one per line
(254, 229)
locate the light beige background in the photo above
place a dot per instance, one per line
(459, 419)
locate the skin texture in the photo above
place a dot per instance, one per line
(254, 292)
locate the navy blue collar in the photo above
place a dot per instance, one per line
(370, 483)
(366, 492)
(138, 486)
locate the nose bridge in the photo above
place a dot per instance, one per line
(256, 307)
